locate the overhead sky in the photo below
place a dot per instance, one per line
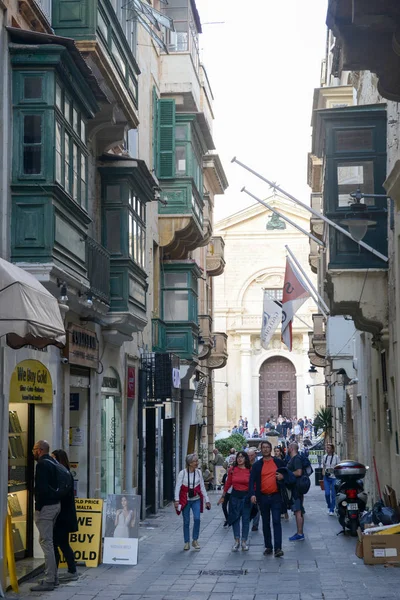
(263, 62)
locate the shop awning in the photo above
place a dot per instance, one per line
(29, 314)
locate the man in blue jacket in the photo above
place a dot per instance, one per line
(265, 492)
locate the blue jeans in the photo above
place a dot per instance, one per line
(330, 495)
(271, 505)
(244, 516)
(195, 506)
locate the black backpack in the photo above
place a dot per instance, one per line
(303, 482)
(64, 480)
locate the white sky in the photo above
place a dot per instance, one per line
(263, 64)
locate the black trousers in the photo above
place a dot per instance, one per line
(225, 505)
(61, 541)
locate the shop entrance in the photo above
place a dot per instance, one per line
(168, 459)
(79, 423)
(28, 422)
(111, 435)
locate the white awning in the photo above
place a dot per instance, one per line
(29, 314)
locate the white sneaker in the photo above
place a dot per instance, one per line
(328, 512)
(331, 513)
(236, 546)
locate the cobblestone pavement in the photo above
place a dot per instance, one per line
(324, 567)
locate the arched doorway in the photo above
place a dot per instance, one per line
(277, 388)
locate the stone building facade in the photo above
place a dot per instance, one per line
(258, 383)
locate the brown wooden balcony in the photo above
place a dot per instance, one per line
(215, 257)
(219, 352)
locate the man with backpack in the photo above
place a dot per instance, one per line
(47, 508)
(295, 465)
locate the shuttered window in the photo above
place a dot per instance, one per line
(166, 140)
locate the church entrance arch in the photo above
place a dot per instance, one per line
(277, 388)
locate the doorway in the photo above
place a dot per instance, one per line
(277, 389)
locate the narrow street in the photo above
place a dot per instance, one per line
(324, 567)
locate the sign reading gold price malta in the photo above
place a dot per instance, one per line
(31, 382)
(82, 347)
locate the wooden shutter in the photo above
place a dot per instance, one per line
(166, 138)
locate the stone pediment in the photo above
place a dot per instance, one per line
(258, 219)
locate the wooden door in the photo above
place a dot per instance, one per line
(277, 388)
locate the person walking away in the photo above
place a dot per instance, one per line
(264, 491)
(47, 508)
(239, 504)
(240, 424)
(252, 454)
(295, 465)
(218, 460)
(328, 464)
(66, 523)
(245, 423)
(284, 427)
(190, 494)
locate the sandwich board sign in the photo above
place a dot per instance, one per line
(121, 529)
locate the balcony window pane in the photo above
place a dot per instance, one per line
(175, 280)
(32, 160)
(130, 236)
(67, 108)
(75, 175)
(33, 87)
(176, 305)
(67, 180)
(83, 131)
(83, 180)
(102, 25)
(353, 175)
(134, 240)
(58, 97)
(181, 132)
(58, 152)
(117, 56)
(75, 120)
(180, 160)
(178, 39)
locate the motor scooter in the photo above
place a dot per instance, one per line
(351, 499)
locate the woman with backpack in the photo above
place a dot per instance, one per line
(239, 504)
(328, 464)
(66, 523)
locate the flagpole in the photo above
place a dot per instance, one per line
(321, 302)
(310, 235)
(314, 212)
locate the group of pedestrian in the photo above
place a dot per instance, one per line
(266, 488)
(55, 516)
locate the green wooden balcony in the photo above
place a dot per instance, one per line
(100, 37)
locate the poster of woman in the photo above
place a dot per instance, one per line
(122, 516)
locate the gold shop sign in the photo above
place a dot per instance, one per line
(31, 383)
(82, 347)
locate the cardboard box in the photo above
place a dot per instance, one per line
(381, 549)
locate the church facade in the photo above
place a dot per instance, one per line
(259, 383)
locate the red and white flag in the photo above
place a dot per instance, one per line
(295, 293)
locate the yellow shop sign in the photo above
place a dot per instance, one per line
(31, 383)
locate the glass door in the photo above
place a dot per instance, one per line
(111, 445)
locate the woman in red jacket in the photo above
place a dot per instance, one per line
(239, 503)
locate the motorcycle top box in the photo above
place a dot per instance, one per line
(350, 469)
